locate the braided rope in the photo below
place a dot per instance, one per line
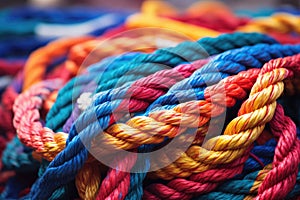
(148, 88)
(263, 38)
(114, 192)
(152, 124)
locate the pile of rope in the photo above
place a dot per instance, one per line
(161, 104)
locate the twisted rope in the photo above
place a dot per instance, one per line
(270, 80)
(26, 112)
(122, 131)
(51, 155)
(280, 22)
(169, 56)
(246, 187)
(189, 30)
(266, 39)
(286, 50)
(282, 177)
(35, 67)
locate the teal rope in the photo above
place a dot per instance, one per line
(18, 157)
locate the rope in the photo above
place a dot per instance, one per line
(280, 22)
(117, 42)
(270, 80)
(148, 88)
(270, 40)
(285, 50)
(56, 117)
(246, 186)
(188, 30)
(287, 154)
(38, 61)
(165, 120)
(122, 130)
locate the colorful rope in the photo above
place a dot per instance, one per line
(77, 49)
(263, 81)
(192, 52)
(133, 103)
(285, 50)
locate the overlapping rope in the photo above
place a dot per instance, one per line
(285, 50)
(140, 106)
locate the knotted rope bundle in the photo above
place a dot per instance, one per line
(271, 50)
(169, 56)
(240, 34)
(65, 77)
(279, 69)
(159, 117)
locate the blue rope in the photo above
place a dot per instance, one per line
(16, 184)
(18, 157)
(24, 20)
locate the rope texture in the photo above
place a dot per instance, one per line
(286, 51)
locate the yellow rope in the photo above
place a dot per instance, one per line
(280, 22)
(192, 31)
(259, 179)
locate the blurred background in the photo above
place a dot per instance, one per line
(135, 4)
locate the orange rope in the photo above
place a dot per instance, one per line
(39, 60)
